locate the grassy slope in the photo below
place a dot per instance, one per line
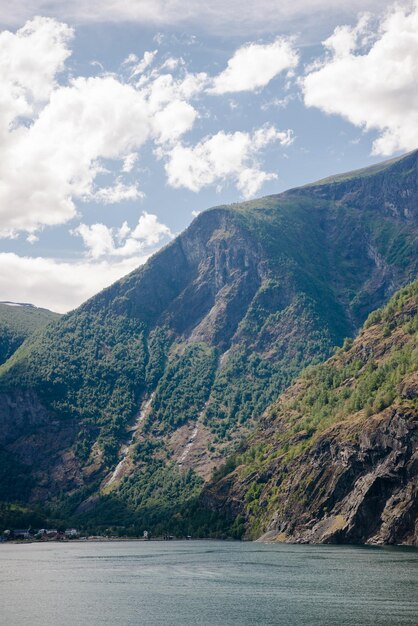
(19, 322)
(360, 173)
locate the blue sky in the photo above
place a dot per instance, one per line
(120, 121)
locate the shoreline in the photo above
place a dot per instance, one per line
(403, 546)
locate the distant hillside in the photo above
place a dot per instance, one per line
(336, 458)
(122, 409)
(17, 322)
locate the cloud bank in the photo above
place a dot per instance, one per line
(223, 157)
(59, 133)
(216, 16)
(370, 77)
(58, 285)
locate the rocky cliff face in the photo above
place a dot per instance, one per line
(336, 459)
(390, 187)
(368, 491)
(156, 380)
(214, 261)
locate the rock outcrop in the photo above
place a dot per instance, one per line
(336, 459)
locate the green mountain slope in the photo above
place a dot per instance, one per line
(17, 322)
(335, 459)
(134, 398)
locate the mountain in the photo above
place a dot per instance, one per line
(17, 322)
(335, 459)
(120, 411)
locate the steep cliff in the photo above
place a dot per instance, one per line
(336, 458)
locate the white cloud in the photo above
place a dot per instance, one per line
(32, 238)
(59, 285)
(216, 16)
(97, 238)
(162, 89)
(174, 120)
(103, 241)
(374, 87)
(117, 193)
(251, 179)
(123, 232)
(149, 230)
(139, 66)
(55, 138)
(129, 162)
(29, 62)
(279, 103)
(30, 59)
(222, 157)
(45, 166)
(255, 65)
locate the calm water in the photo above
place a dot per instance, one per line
(206, 583)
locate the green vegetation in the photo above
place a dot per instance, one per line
(252, 378)
(158, 497)
(16, 479)
(18, 516)
(89, 368)
(19, 322)
(364, 378)
(184, 387)
(158, 347)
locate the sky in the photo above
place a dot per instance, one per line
(121, 120)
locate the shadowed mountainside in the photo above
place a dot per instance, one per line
(17, 322)
(135, 397)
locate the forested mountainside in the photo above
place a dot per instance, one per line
(17, 322)
(335, 459)
(123, 408)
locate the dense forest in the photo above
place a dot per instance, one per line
(17, 322)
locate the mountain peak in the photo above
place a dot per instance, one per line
(403, 162)
(143, 390)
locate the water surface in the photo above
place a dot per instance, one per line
(206, 583)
